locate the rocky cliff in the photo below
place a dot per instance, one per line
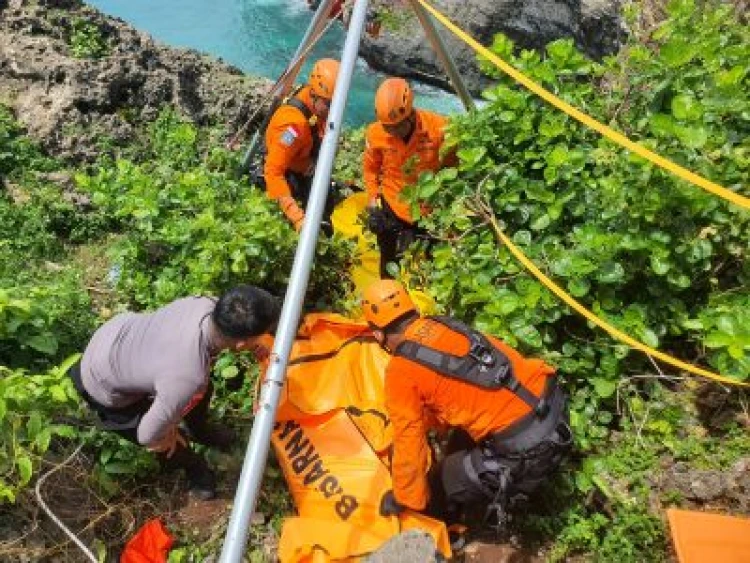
(402, 49)
(74, 75)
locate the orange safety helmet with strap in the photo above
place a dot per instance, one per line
(323, 78)
(384, 302)
(394, 101)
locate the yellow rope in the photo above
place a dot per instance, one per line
(608, 132)
(614, 332)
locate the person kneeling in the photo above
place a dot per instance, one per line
(444, 374)
(144, 373)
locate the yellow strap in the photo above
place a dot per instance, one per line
(608, 132)
(614, 332)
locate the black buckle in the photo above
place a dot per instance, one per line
(479, 352)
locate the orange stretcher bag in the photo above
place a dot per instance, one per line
(331, 440)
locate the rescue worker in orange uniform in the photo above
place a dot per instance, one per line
(292, 142)
(400, 145)
(443, 374)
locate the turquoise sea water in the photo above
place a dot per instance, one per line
(260, 37)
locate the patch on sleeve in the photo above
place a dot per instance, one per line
(289, 135)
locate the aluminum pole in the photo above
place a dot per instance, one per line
(285, 82)
(257, 450)
(433, 36)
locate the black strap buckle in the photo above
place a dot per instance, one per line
(479, 352)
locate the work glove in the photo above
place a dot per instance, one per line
(389, 506)
(377, 221)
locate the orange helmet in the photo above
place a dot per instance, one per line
(394, 101)
(323, 78)
(386, 301)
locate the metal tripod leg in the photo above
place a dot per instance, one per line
(290, 73)
(445, 58)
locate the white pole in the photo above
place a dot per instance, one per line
(257, 449)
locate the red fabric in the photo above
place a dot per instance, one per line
(151, 544)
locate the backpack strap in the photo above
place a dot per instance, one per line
(484, 365)
(310, 118)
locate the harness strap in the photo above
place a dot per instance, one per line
(310, 118)
(484, 365)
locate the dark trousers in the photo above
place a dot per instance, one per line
(124, 421)
(301, 188)
(393, 241)
(489, 472)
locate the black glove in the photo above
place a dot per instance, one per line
(377, 221)
(389, 506)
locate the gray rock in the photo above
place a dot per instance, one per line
(595, 26)
(703, 486)
(413, 546)
(70, 104)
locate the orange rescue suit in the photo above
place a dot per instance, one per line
(418, 399)
(289, 145)
(390, 164)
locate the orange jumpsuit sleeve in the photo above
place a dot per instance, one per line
(285, 141)
(411, 453)
(373, 162)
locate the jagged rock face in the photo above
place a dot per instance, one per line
(68, 104)
(595, 25)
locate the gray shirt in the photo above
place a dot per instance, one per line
(163, 355)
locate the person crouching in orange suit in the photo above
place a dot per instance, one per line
(400, 145)
(509, 411)
(292, 142)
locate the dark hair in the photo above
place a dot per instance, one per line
(399, 325)
(246, 311)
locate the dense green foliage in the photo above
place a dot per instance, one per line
(659, 258)
(192, 227)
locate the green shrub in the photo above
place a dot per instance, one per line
(87, 40)
(642, 249)
(192, 227)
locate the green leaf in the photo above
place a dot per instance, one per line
(716, 339)
(34, 425)
(522, 238)
(25, 469)
(3, 409)
(611, 272)
(649, 338)
(678, 51)
(119, 468)
(694, 137)
(659, 265)
(578, 287)
(44, 343)
(530, 335)
(541, 222)
(229, 372)
(686, 107)
(604, 387)
(58, 393)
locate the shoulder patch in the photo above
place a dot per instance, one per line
(288, 136)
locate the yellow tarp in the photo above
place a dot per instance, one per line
(331, 440)
(366, 270)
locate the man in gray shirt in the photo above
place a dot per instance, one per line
(144, 373)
